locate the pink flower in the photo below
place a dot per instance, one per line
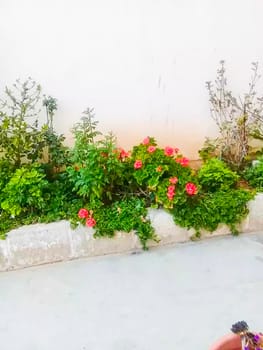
(146, 141)
(151, 149)
(173, 180)
(169, 151)
(183, 161)
(191, 189)
(170, 192)
(90, 222)
(137, 164)
(170, 196)
(171, 189)
(83, 213)
(159, 169)
(123, 154)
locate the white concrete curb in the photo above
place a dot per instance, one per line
(47, 243)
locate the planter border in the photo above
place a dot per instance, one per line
(48, 243)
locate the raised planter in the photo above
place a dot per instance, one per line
(47, 243)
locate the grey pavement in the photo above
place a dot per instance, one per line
(177, 297)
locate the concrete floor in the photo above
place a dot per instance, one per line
(180, 297)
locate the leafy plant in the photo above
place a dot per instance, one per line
(126, 215)
(215, 175)
(159, 173)
(60, 201)
(100, 174)
(208, 210)
(85, 133)
(254, 175)
(24, 192)
(56, 155)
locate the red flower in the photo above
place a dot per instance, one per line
(159, 169)
(90, 222)
(169, 151)
(170, 196)
(137, 164)
(173, 180)
(146, 141)
(83, 213)
(170, 192)
(151, 149)
(123, 154)
(191, 189)
(183, 161)
(171, 189)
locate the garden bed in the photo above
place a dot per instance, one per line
(104, 191)
(48, 243)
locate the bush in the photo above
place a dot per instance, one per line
(254, 175)
(60, 201)
(112, 178)
(126, 215)
(215, 175)
(24, 192)
(100, 177)
(207, 211)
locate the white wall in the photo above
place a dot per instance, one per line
(142, 64)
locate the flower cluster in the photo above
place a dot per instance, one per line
(171, 188)
(168, 151)
(87, 216)
(250, 341)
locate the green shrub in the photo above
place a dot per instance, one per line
(85, 133)
(24, 192)
(126, 215)
(100, 176)
(207, 211)
(254, 175)
(215, 175)
(157, 171)
(60, 201)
